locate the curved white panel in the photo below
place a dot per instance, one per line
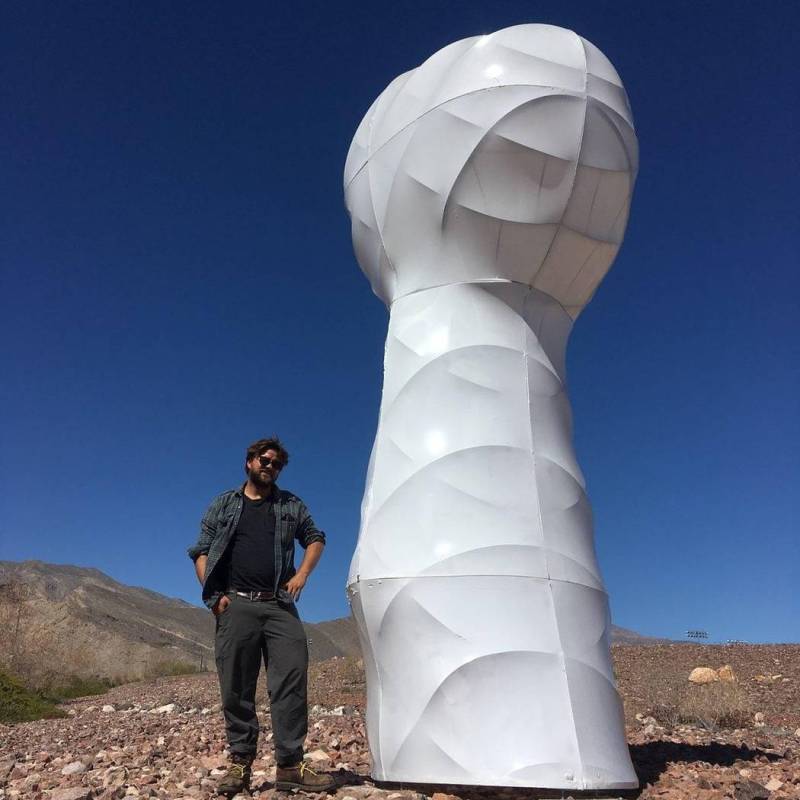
(489, 191)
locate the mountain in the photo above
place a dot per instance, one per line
(63, 619)
(66, 619)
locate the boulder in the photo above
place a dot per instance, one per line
(703, 675)
(73, 793)
(115, 777)
(750, 790)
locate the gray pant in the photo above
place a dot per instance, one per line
(246, 631)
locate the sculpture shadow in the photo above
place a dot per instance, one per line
(343, 777)
(650, 760)
(346, 777)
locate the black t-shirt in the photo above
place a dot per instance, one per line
(250, 555)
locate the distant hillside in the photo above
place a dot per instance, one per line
(342, 634)
(77, 620)
(627, 636)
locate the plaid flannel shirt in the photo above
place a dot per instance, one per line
(292, 522)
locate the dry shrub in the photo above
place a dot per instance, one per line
(44, 666)
(353, 673)
(711, 705)
(666, 714)
(29, 649)
(717, 705)
(80, 686)
(18, 704)
(164, 669)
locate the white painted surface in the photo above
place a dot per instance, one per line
(489, 191)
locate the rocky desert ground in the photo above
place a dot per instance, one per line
(737, 738)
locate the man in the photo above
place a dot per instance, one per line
(244, 560)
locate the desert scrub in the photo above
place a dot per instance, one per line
(345, 672)
(712, 706)
(353, 673)
(18, 704)
(165, 669)
(76, 686)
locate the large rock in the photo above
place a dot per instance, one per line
(703, 675)
(73, 793)
(750, 790)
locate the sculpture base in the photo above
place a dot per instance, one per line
(498, 680)
(530, 793)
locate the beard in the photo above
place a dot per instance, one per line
(261, 479)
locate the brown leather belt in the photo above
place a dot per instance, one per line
(253, 595)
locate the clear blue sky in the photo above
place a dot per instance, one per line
(178, 280)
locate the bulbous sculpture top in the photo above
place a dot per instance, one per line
(506, 157)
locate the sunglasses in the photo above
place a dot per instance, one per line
(275, 463)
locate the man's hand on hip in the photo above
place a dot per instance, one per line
(312, 556)
(296, 584)
(221, 605)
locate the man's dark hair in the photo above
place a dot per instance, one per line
(262, 445)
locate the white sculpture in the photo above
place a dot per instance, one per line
(489, 191)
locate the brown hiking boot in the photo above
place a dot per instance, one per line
(302, 777)
(237, 778)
